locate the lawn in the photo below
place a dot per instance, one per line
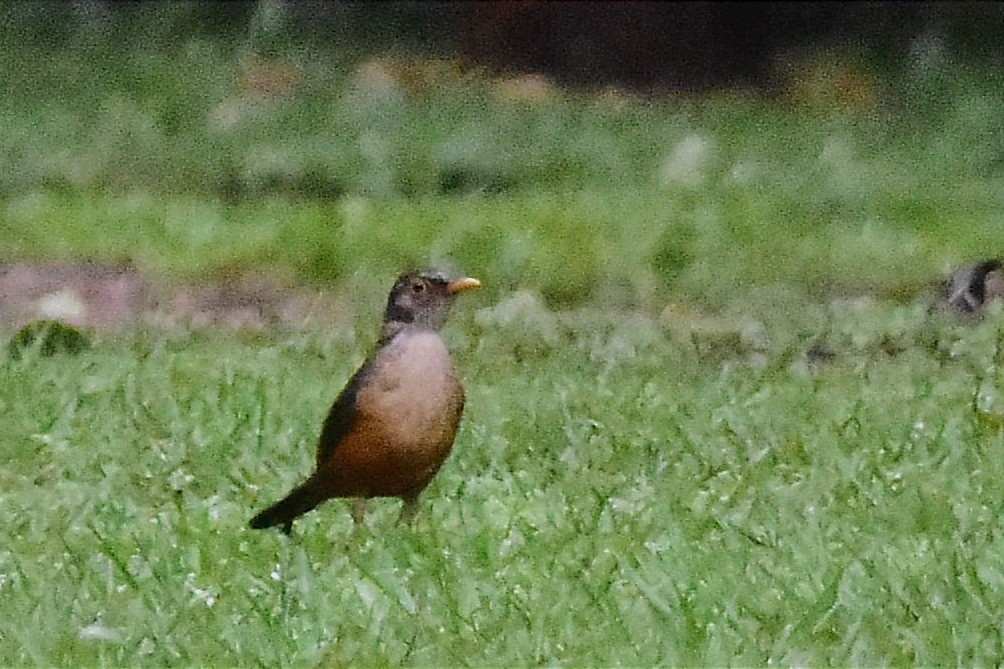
(650, 470)
(620, 496)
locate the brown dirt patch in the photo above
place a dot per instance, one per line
(108, 297)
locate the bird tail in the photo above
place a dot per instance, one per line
(301, 500)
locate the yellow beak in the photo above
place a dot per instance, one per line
(460, 285)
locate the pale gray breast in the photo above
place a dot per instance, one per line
(414, 395)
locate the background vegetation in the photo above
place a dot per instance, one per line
(710, 418)
(188, 156)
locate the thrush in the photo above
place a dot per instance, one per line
(393, 425)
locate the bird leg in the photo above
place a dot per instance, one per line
(409, 510)
(359, 510)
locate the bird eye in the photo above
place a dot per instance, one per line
(417, 287)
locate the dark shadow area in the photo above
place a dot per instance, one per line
(642, 45)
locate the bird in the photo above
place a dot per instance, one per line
(969, 288)
(393, 425)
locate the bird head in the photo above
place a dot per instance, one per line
(423, 298)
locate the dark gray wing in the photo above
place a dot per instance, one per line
(342, 414)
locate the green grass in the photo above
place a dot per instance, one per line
(627, 249)
(159, 157)
(617, 498)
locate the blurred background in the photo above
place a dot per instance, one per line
(668, 46)
(212, 161)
